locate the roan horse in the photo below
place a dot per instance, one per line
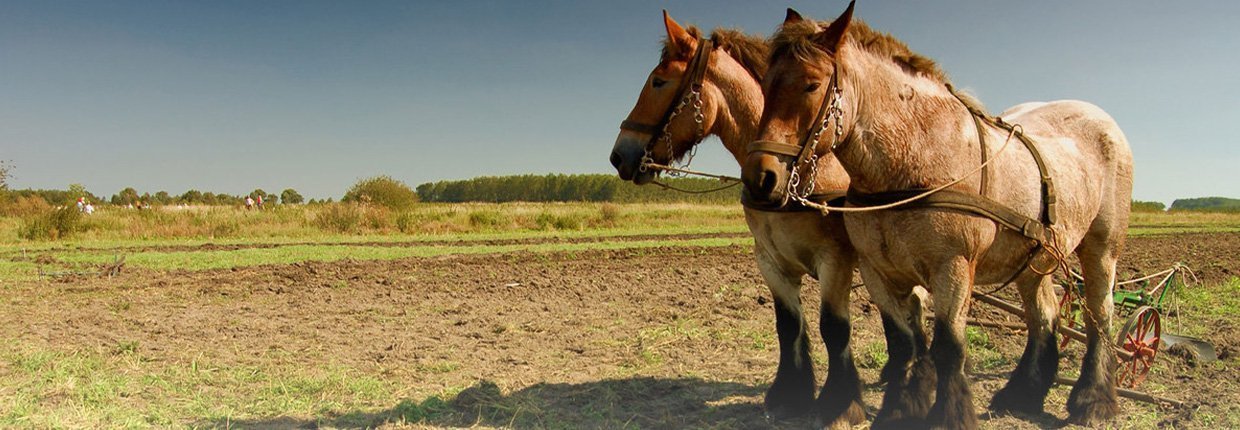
(898, 126)
(705, 87)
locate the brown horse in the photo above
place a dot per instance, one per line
(895, 125)
(727, 100)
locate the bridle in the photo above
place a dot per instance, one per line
(689, 93)
(807, 151)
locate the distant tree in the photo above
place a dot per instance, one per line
(77, 191)
(1140, 206)
(126, 196)
(291, 197)
(1206, 204)
(191, 197)
(5, 173)
(162, 197)
(382, 190)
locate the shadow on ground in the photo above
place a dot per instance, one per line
(622, 403)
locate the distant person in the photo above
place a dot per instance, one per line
(88, 208)
(249, 203)
(260, 201)
(81, 204)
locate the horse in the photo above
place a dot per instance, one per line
(898, 129)
(711, 86)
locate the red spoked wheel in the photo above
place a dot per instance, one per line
(1141, 336)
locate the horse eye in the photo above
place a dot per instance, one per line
(657, 83)
(812, 87)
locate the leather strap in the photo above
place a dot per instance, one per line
(773, 147)
(1049, 200)
(958, 201)
(694, 75)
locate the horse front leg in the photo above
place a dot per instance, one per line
(839, 401)
(792, 392)
(1027, 388)
(953, 405)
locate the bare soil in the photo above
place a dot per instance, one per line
(656, 338)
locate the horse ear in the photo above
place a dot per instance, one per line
(831, 38)
(792, 17)
(679, 39)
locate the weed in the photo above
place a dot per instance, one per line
(873, 355)
(51, 225)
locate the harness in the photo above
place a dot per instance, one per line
(687, 93)
(1040, 231)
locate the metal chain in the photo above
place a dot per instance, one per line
(834, 111)
(693, 98)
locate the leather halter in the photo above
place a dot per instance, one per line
(805, 149)
(695, 73)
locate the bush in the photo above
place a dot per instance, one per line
(24, 206)
(377, 218)
(384, 191)
(610, 213)
(341, 218)
(559, 222)
(485, 218)
(52, 225)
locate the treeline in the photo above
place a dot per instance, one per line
(131, 196)
(1206, 204)
(573, 188)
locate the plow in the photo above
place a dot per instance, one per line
(1145, 301)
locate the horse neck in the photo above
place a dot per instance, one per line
(740, 107)
(907, 131)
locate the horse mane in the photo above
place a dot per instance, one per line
(797, 40)
(750, 51)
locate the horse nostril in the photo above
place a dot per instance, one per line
(616, 160)
(767, 181)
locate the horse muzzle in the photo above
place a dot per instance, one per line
(766, 181)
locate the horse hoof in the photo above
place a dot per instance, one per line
(1010, 400)
(1093, 414)
(783, 412)
(851, 416)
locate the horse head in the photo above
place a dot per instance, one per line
(674, 110)
(802, 118)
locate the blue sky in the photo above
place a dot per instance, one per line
(230, 96)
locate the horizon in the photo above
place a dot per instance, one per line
(229, 97)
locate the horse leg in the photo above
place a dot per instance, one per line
(792, 392)
(907, 397)
(839, 402)
(1093, 398)
(953, 405)
(896, 345)
(1026, 389)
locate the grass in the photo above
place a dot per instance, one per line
(124, 389)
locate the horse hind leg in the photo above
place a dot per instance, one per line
(1035, 373)
(953, 405)
(839, 402)
(1093, 398)
(792, 392)
(908, 372)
